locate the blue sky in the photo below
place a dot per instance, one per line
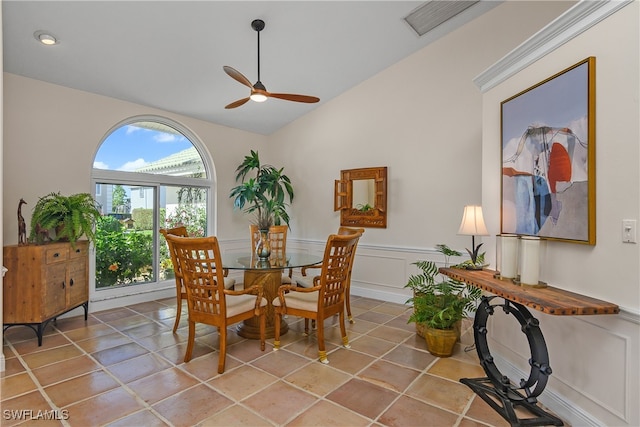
(131, 147)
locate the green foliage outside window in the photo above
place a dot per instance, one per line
(142, 219)
(122, 256)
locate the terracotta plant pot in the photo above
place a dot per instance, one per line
(441, 342)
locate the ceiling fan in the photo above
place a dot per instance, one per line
(259, 92)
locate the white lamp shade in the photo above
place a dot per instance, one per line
(473, 222)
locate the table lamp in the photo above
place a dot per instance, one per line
(473, 225)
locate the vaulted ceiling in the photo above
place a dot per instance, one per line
(169, 54)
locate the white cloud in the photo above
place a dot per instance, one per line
(100, 165)
(131, 129)
(165, 137)
(132, 166)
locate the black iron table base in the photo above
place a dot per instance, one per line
(39, 328)
(497, 389)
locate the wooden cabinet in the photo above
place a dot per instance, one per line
(43, 282)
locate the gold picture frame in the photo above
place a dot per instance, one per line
(548, 158)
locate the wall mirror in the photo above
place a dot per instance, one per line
(361, 197)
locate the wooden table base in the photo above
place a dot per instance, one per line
(270, 280)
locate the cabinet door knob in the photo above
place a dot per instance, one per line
(70, 282)
(56, 255)
(63, 284)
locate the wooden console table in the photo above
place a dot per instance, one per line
(497, 389)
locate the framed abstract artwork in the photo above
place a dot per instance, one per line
(548, 157)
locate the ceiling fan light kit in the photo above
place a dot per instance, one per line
(259, 92)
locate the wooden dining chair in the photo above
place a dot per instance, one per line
(208, 299)
(307, 281)
(278, 243)
(181, 293)
(325, 298)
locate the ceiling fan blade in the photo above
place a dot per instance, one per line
(237, 75)
(237, 103)
(294, 97)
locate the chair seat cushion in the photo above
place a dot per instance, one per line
(300, 300)
(304, 282)
(286, 280)
(229, 283)
(237, 304)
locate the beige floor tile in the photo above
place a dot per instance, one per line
(363, 397)
(235, 415)
(113, 314)
(162, 340)
(242, 382)
(139, 367)
(79, 388)
(111, 356)
(443, 393)
(410, 412)
(175, 354)
(16, 407)
(410, 357)
(91, 331)
(455, 369)
(350, 361)
(12, 366)
(103, 408)
(280, 363)
(31, 346)
(99, 343)
(371, 345)
(325, 413)
(15, 385)
(390, 334)
(65, 369)
(318, 378)
(192, 406)
(46, 357)
(280, 402)
(162, 385)
(389, 375)
(140, 418)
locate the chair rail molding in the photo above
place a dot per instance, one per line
(570, 24)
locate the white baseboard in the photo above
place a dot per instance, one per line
(564, 409)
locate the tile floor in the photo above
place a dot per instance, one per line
(124, 367)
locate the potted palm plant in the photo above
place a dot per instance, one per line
(264, 193)
(67, 218)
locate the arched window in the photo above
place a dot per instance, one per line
(148, 173)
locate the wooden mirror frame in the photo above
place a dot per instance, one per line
(350, 216)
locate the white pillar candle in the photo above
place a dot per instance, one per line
(509, 255)
(529, 260)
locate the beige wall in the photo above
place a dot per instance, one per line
(422, 119)
(55, 132)
(594, 358)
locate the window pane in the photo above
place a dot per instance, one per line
(185, 206)
(150, 147)
(124, 236)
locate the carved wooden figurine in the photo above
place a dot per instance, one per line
(22, 226)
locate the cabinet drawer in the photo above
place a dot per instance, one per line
(80, 251)
(58, 254)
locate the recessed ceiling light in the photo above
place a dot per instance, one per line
(45, 38)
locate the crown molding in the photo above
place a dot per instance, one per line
(570, 24)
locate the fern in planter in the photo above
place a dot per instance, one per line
(69, 217)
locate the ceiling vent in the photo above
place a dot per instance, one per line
(433, 13)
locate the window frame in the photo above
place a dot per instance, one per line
(156, 181)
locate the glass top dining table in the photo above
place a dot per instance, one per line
(268, 275)
(246, 261)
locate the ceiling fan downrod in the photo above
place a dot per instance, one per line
(258, 25)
